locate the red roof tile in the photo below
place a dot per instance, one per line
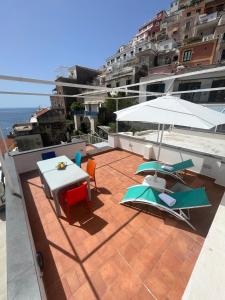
(42, 111)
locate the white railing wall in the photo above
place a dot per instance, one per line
(89, 138)
(27, 161)
(208, 165)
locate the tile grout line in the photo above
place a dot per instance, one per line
(113, 161)
(147, 288)
(124, 174)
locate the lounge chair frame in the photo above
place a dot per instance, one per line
(178, 212)
(175, 174)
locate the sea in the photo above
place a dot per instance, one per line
(11, 116)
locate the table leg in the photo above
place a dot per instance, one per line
(41, 176)
(57, 205)
(89, 189)
(46, 188)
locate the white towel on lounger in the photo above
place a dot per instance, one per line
(170, 201)
(167, 168)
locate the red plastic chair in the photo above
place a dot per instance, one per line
(76, 195)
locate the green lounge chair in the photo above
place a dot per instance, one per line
(193, 198)
(158, 167)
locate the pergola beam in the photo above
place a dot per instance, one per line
(211, 70)
(59, 83)
(61, 95)
(119, 98)
(99, 89)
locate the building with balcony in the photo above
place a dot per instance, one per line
(174, 7)
(187, 26)
(220, 35)
(122, 68)
(47, 127)
(52, 126)
(82, 75)
(89, 116)
(58, 101)
(198, 54)
(206, 25)
(76, 74)
(212, 6)
(86, 117)
(119, 75)
(171, 24)
(151, 29)
(166, 57)
(183, 4)
(188, 35)
(167, 45)
(204, 81)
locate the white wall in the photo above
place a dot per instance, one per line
(207, 279)
(204, 164)
(27, 161)
(131, 144)
(24, 280)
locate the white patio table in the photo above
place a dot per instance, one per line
(54, 180)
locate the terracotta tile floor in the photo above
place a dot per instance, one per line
(116, 252)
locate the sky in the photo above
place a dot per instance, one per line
(40, 37)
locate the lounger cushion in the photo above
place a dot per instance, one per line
(169, 200)
(184, 200)
(167, 168)
(164, 168)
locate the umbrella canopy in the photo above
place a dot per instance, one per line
(172, 110)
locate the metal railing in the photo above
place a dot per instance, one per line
(91, 113)
(89, 138)
(203, 19)
(78, 112)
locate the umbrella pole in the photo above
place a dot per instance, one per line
(117, 108)
(160, 143)
(158, 155)
(158, 132)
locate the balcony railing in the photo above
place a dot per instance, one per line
(89, 138)
(203, 19)
(78, 112)
(208, 37)
(95, 144)
(85, 113)
(118, 72)
(91, 113)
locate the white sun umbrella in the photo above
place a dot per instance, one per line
(172, 111)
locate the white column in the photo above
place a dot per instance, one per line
(206, 83)
(117, 108)
(76, 122)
